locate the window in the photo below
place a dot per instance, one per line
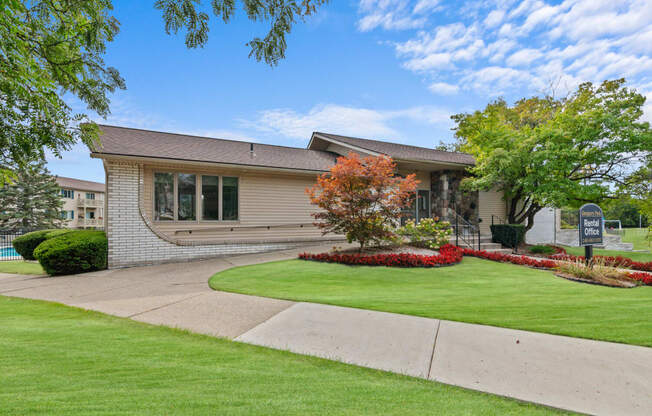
(163, 197)
(63, 214)
(229, 199)
(90, 195)
(68, 193)
(210, 190)
(175, 197)
(71, 215)
(90, 215)
(187, 194)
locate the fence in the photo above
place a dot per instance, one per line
(7, 251)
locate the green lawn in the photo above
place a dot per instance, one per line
(61, 360)
(579, 251)
(21, 267)
(477, 291)
(637, 237)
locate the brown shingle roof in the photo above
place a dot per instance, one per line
(72, 183)
(146, 143)
(401, 151)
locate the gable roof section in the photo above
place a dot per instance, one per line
(123, 141)
(394, 150)
(72, 183)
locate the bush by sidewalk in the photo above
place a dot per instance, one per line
(73, 252)
(26, 243)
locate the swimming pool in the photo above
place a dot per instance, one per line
(9, 253)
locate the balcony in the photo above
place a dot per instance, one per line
(91, 203)
(90, 222)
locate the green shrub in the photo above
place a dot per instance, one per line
(429, 232)
(510, 235)
(26, 243)
(541, 249)
(73, 252)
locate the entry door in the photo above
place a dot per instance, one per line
(423, 204)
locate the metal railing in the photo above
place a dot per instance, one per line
(83, 202)
(464, 231)
(90, 222)
(7, 251)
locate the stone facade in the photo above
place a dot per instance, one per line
(133, 240)
(446, 194)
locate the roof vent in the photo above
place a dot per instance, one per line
(251, 150)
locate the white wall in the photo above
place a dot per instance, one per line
(543, 231)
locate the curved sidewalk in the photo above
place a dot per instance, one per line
(575, 374)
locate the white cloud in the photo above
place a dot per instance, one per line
(494, 18)
(647, 108)
(443, 88)
(345, 120)
(394, 14)
(423, 6)
(524, 57)
(502, 46)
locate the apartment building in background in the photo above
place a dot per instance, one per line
(83, 205)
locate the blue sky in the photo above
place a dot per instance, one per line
(384, 69)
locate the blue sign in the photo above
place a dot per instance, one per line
(591, 225)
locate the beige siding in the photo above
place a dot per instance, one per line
(277, 200)
(424, 179)
(491, 203)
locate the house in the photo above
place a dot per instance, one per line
(83, 203)
(173, 197)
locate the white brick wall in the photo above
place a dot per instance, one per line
(133, 242)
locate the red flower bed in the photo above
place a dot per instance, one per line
(645, 278)
(448, 255)
(510, 258)
(619, 261)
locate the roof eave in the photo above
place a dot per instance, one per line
(361, 149)
(107, 156)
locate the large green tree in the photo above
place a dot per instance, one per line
(33, 199)
(638, 187)
(48, 49)
(281, 15)
(556, 152)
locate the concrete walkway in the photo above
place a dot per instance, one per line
(581, 375)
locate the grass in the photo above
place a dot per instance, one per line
(61, 360)
(476, 291)
(579, 251)
(21, 267)
(637, 237)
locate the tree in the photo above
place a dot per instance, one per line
(361, 198)
(555, 152)
(638, 187)
(282, 15)
(47, 49)
(32, 201)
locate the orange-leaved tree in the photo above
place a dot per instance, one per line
(361, 198)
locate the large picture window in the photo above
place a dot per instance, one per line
(210, 195)
(229, 198)
(163, 197)
(175, 197)
(187, 194)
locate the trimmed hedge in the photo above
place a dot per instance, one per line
(26, 243)
(73, 252)
(510, 235)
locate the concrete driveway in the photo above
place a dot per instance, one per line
(569, 373)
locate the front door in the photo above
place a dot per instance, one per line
(423, 204)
